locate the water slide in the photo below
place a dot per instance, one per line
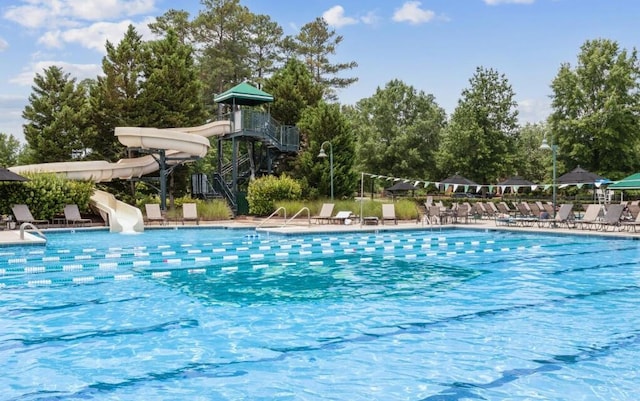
(177, 143)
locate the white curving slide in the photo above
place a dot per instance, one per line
(176, 142)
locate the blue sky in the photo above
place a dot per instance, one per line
(433, 45)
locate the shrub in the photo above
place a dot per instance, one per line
(46, 194)
(264, 192)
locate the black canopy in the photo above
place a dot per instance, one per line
(579, 176)
(8, 175)
(401, 186)
(516, 181)
(458, 179)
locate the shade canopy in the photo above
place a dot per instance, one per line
(8, 175)
(630, 182)
(458, 180)
(401, 186)
(516, 181)
(244, 95)
(579, 176)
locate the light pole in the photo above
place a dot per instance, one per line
(554, 151)
(322, 154)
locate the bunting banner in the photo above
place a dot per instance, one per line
(478, 188)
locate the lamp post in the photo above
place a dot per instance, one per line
(322, 154)
(554, 151)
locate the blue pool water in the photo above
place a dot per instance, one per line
(214, 314)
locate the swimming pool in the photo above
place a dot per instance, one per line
(214, 314)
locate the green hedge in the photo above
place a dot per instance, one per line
(45, 194)
(265, 191)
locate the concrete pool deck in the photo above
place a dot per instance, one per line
(13, 237)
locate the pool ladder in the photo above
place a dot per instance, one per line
(26, 225)
(285, 216)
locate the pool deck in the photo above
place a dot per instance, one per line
(12, 237)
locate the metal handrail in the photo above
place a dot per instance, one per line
(273, 214)
(296, 215)
(27, 224)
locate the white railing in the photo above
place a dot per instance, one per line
(273, 214)
(26, 225)
(298, 213)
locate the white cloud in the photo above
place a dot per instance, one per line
(78, 71)
(335, 17)
(65, 13)
(498, 2)
(412, 13)
(3, 44)
(370, 18)
(95, 36)
(534, 110)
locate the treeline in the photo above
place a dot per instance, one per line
(397, 131)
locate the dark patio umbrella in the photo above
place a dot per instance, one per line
(8, 175)
(579, 176)
(400, 187)
(516, 181)
(458, 179)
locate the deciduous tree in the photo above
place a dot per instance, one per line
(398, 130)
(596, 110)
(478, 142)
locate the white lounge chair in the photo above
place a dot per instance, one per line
(342, 216)
(23, 215)
(325, 213)
(72, 215)
(190, 213)
(389, 212)
(154, 214)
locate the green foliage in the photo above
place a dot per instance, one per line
(170, 91)
(114, 98)
(293, 90)
(596, 110)
(314, 44)
(58, 117)
(265, 191)
(479, 141)
(325, 124)
(45, 194)
(221, 32)
(398, 131)
(9, 150)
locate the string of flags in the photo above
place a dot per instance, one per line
(439, 185)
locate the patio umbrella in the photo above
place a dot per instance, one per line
(7, 175)
(515, 183)
(630, 182)
(579, 176)
(400, 187)
(457, 180)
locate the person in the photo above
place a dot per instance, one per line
(544, 215)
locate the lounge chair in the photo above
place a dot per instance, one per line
(23, 215)
(342, 216)
(591, 217)
(325, 213)
(612, 217)
(72, 215)
(389, 212)
(564, 216)
(631, 223)
(461, 214)
(190, 213)
(154, 214)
